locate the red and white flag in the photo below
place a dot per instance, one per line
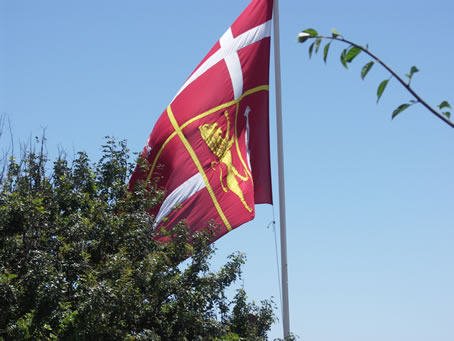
(209, 149)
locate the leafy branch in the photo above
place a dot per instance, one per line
(353, 50)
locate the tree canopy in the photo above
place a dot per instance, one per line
(78, 260)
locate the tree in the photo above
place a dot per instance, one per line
(353, 50)
(78, 260)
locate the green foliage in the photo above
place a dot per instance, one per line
(343, 58)
(78, 260)
(366, 68)
(311, 32)
(352, 53)
(413, 70)
(349, 54)
(381, 88)
(311, 48)
(317, 44)
(258, 317)
(335, 33)
(399, 109)
(325, 52)
(306, 34)
(445, 105)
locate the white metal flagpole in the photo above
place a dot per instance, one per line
(280, 156)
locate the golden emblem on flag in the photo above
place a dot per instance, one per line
(221, 146)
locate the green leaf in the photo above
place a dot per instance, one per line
(317, 44)
(311, 48)
(366, 68)
(342, 58)
(302, 37)
(413, 70)
(399, 109)
(306, 34)
(325, 51)
(444, 104)
(352, 53)
(311, 32)
(335, 34)
(381, 88)
(447, 114)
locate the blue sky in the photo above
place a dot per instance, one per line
(369, 200)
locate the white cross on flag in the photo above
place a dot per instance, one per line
(209, 150)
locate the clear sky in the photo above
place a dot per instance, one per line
(369, 200)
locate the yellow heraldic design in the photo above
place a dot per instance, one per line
(220, 146)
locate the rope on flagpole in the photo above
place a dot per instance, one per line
(277, 257)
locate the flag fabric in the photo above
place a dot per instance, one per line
(209, 150)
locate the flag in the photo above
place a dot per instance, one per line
(209, 150)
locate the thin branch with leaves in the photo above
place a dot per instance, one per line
(353, 50)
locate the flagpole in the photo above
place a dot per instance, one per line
(280, 156)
